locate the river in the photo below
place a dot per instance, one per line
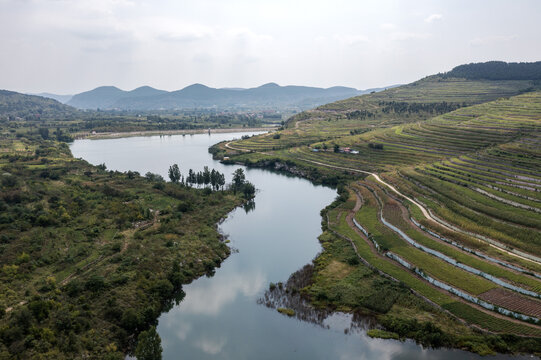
(220, 317)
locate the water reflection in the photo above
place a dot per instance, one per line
(249, 206)
(210, 346)
(210, 297)
(288, 296)
(220, 317)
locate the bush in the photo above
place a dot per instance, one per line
(185, 206)
(149, 345)
(40, 309)
(95, 283)
(130, 320)
(163, 288)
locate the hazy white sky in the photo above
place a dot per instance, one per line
(69, 46)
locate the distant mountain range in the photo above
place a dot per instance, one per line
(268, 96)
(60, 98)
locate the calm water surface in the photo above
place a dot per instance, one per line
(220, 317)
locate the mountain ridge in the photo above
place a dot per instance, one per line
(267, 96)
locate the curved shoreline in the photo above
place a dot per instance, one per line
(116, 135)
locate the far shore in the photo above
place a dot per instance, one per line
(111, 135)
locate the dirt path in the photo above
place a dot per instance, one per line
(234, 148)
(73, 275)
(407, 219)
(349, 219)
(9, 309)
(426, 213)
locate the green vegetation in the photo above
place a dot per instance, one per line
(286, 311)
(149, 345)
(497, 70)
(465, 145)
(90, 257)
(382, 334)
(34, 115)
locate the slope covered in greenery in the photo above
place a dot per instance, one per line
(21, 114)
(89, 257)
(14, 105)
(418, 101)
(452, 208)
(497, 70)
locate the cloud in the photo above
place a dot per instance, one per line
(433, 17)
(387, 26)
(489, 40)
(183, 35)
(210, 346)
(351, 39)
(406, 36)
(208, 298)
(247, 34)
(182, 330)
(342, 39)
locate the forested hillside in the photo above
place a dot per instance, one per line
(497, 70)
(90, 258)
(30, 107)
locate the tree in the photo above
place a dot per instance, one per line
(248, 189)
(238, 179)
(206, 175)
(220, 181)
(213, 178)
(44, 132)
(130, 320)
(174, 173)
(199, 178)
(149, 345)
(154, 177)
(191, 178)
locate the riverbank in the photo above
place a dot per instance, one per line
(92, 257)
(116, 135)
(341, 282)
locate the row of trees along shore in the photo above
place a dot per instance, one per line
(209, 179)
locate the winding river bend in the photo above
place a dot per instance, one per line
(220, 317)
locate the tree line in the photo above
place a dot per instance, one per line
(400, 107)
(209, 179)
(497, 70)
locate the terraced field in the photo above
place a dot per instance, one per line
(421, 100)
(463, 227)
(376, 206)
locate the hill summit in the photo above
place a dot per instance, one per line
(267, 96)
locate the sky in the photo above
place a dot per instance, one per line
(70, 46)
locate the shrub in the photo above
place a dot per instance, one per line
(149, 345)
(95, 283)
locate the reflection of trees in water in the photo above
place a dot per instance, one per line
(288, 296)
(249, 206)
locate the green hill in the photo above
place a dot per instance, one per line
(441, 174)
(30, 107)
(89, 258)
(267, 96)
(497, 70)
